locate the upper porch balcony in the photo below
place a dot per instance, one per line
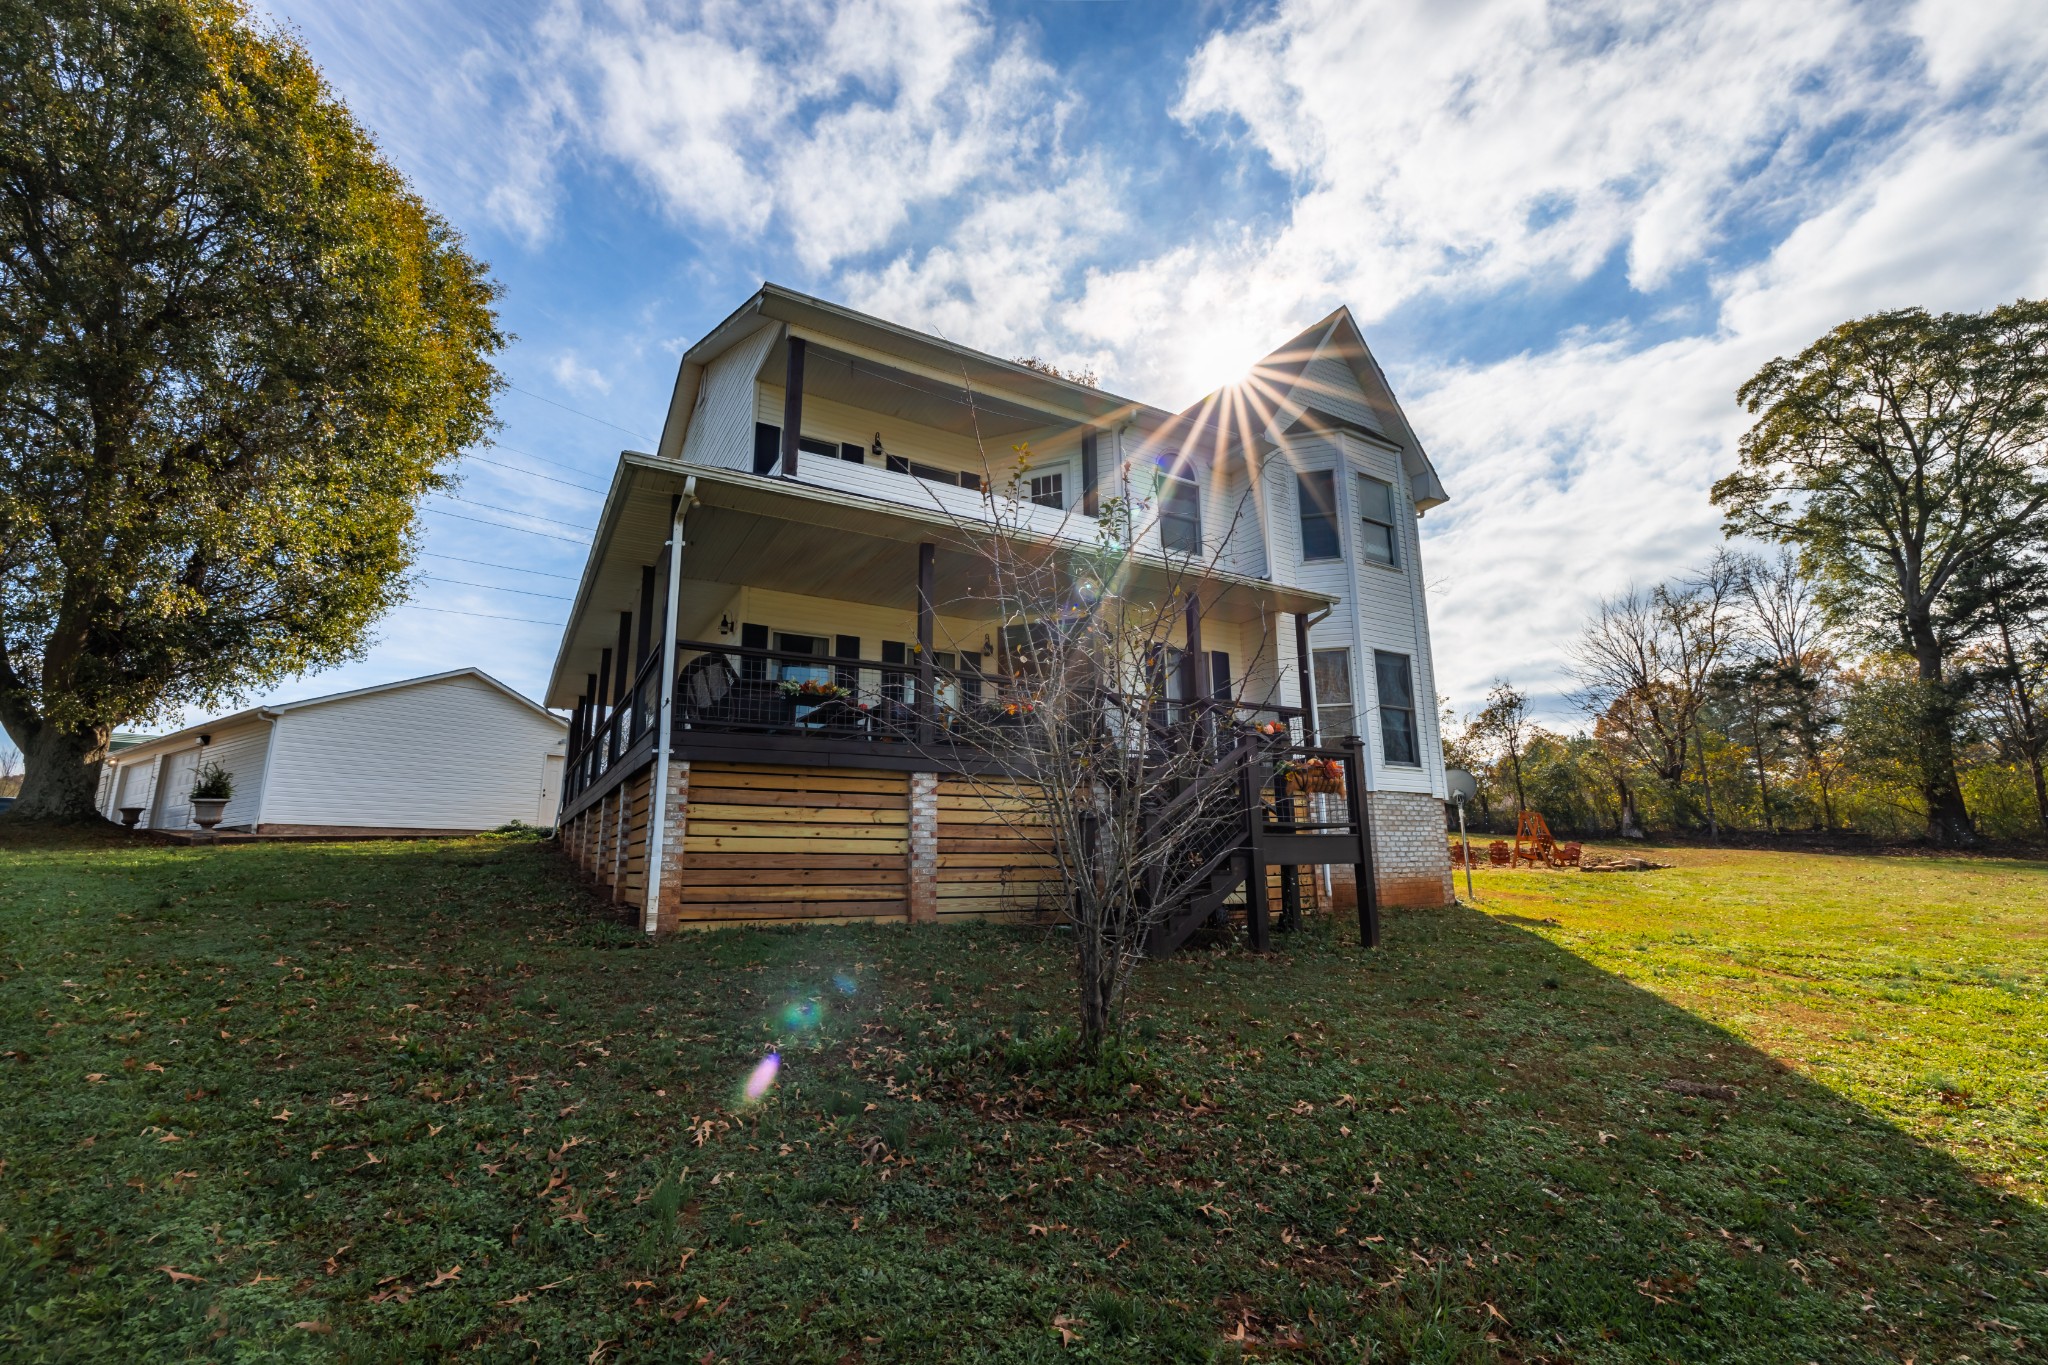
(847, 617)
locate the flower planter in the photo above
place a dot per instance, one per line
(207, 811)
(130, 816)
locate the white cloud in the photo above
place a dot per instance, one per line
(834, 125)
(572, 373)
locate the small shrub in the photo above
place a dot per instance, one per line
(213, 783)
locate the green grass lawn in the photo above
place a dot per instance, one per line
(388, 1101)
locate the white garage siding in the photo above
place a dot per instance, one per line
(240, 749)
(454, 753)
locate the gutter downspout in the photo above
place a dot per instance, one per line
(657, 806)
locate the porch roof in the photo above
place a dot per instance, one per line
(813, 537)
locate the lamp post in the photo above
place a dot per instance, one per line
(1462, 788)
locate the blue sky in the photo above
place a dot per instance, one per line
(1569, 229)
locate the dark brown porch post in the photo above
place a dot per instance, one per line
(593, 717)
(1305, 665)
(1195, 668)
(645, 644)
(792, 406)
(622, 680)
(927, 589)
(1091, 497)
(1368, 879)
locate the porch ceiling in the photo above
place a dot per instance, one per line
(766, 532)
(890, 391)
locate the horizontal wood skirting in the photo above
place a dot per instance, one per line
(994, 860)
(710, 746)
(777, 842)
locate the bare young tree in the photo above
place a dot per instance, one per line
(1645, 662)
(1131, 769)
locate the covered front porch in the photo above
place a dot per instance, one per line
(828, 741)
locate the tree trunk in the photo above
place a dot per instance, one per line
(1763, 788)
(2030, 726)
(1098, 982)
(1948, 818)
(61, 774)
(1707, 789)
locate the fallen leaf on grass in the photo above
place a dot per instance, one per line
(1700, 1090)
(180, 1277)
(1068, 1328)
(445, 1277)
(322, 1328)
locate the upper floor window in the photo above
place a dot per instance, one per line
(1397, 707)
(1376, 520)
(1049, 490)
(931, 473)
(1180, 515)
(1316, 492)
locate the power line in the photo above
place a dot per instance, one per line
(580, 413)
(486, 564)
(513, 511)
(573, 540)
(532, 473)
(465, 583)
(559, 464)
(479, 615)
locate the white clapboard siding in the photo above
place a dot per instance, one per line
(452, 753)
(1328, 384)
(721, 432)
(242, 752)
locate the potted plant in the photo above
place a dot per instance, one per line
(1312, 775)
(212, 788)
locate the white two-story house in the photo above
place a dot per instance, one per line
(801, 523)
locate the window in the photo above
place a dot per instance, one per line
(767, 447)
(852, 453)
(894, 652)
(1317, 494)
(931, 473)
(1219, 674)
(790, 670)
(1180, 515)
(1376, 515)
(1335, 714)
(811, 445)
(1397, 708)
(1050, 490)
(846, 647)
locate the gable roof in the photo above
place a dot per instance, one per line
(151, 743)
(1339, 337)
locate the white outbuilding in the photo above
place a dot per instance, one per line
(446, 753)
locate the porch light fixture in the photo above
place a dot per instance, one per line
(725, 625)
(988, 645)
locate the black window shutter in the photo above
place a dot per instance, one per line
(811, 445)
(852, 453)
(1089, 504)
(767, 450)
(970, 481)
(1219, 673)
(897, 464)
(754, 637)
(893, 652)
(847, 647)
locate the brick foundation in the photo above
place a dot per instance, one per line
(677, 820)
(924, 847)
(1409, 850)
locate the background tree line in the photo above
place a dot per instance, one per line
(1724, 702)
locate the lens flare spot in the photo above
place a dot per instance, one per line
(845, 983)
(763, 1075)
(799, 1015)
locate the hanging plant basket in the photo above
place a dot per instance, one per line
(1316, 776)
